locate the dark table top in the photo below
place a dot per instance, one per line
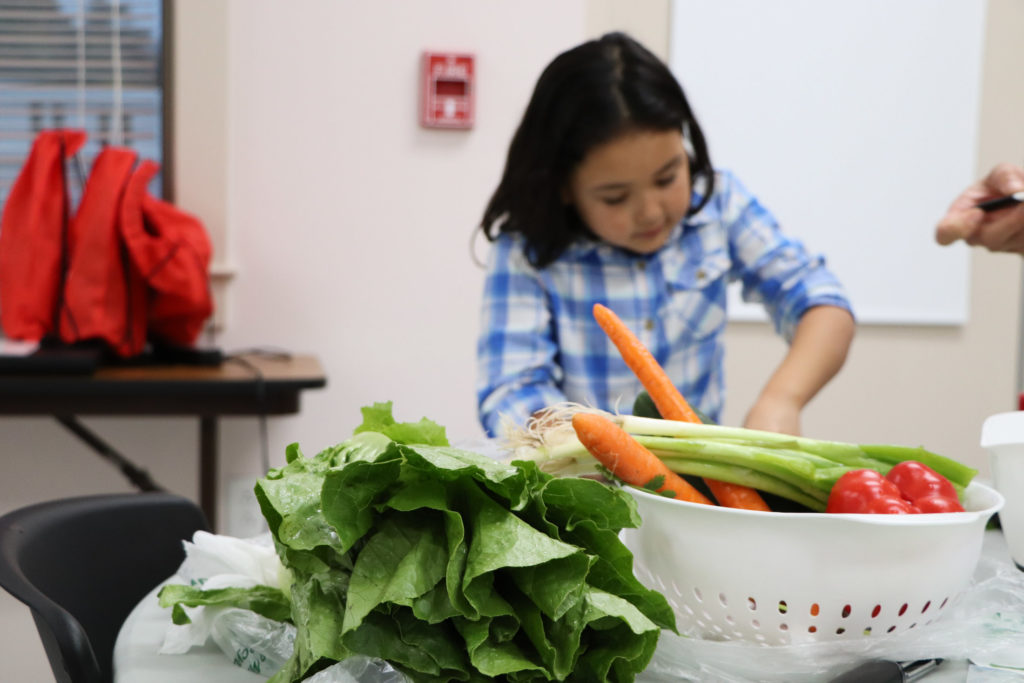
(243, 385)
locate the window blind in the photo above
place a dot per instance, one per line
(89, 64)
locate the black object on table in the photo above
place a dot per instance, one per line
(880, 671)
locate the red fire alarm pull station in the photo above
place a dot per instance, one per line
(447, 90)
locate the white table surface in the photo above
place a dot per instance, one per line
(137, 658)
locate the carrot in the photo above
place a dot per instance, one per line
(736, 495)
(628, 460)
(667, 399)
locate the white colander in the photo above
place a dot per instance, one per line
(784, 578)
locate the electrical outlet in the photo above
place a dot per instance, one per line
(242, 516)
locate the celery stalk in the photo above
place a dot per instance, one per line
(790, 474)
(958, 473)
(879, 457)
(748, 477)
(792, 467)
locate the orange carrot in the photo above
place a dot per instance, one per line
(670, 403)
(667, 399)
(630, 461)
(736, 495)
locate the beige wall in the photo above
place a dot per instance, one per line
(342, 229)
(647, 21)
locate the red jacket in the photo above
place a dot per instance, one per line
(126, 269)
(171, 251)
(32, 232)
(100, 292)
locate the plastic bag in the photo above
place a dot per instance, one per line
(985, 626)
(359, 669)
(251, 641)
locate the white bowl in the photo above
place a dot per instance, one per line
(1002, 435)
(778, 578)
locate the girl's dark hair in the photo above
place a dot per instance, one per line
(587, 96)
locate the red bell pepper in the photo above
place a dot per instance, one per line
(919, 483)
(910, 487)
(866, 491)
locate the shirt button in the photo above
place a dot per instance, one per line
(649, 324)
(641, 266)
(701, 274)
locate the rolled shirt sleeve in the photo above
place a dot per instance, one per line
(775, 270)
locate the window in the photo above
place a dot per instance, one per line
(90, 64)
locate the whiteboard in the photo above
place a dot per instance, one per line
(856, 124)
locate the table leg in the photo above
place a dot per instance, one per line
(208, 482)
(135, 474)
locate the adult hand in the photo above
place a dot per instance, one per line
(1000, 230)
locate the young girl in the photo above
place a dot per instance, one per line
(609, 196)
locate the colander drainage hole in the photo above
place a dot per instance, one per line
(783, 627)
(815, 609)
(812, 629)
(840, 631)
(867, 631)
(846, 611)
(903, 609)
(721, 599)
(696, 594)
(755, 623)
(751, 604)
(944, 601)
(926, 606)
(783, 607)
(875, 612)
(891, 629)
(729, 620)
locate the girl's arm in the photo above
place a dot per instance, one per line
(517, 371)
(817, 351)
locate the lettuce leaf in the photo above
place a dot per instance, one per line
(263, 600)
(453, 566)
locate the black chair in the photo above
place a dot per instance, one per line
(82, 564)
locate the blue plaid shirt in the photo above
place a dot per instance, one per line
(539, 343)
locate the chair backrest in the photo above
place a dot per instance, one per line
(82, 564)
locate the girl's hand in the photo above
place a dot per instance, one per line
(774, 414)
(815, 355)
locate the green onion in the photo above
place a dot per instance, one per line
(798, 468)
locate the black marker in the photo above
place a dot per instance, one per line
(1002, 202)
(878, 671)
